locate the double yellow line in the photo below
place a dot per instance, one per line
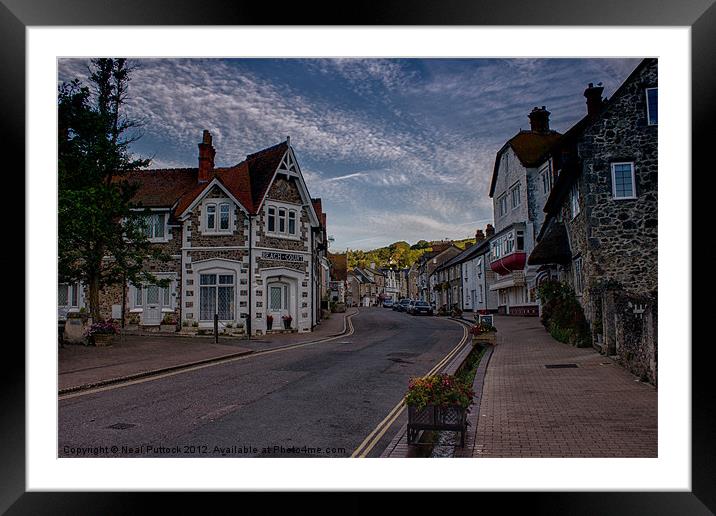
(348, 326)
(376, 435)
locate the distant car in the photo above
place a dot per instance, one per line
(402, 305)
(388, 303)
(421, 308)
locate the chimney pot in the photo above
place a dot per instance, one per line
(479, 236)
(489, 231)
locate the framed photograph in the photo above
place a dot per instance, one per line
(304, 227)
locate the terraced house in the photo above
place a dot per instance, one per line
(245, 242)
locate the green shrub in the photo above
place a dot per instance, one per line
(562, 314)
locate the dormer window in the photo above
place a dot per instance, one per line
(218, 217)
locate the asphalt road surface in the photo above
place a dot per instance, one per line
(320, 400)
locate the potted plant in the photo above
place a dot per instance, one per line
(169, 323)
(102, 333)
(437, 402)
(483, 333)
(269, 322)
(287, 321)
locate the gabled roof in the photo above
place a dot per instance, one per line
(247, 182)
(529, 146)
(361, 276)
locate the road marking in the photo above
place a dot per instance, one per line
(348, 323)
(376, 435)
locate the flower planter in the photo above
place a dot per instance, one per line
(287, 325)
(484, 338)
(103, 340)
(269, 324)
(436, 418)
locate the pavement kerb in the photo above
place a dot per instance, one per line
(185, 365)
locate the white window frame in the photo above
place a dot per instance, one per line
(288, 210)
(151, 226)
(217, 203)
(221, 216)
(515, 189)
(614, 182)
(648, 113)
(502, 198)
(71, 287)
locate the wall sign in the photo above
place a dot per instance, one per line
(284, 257)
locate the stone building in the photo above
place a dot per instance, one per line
(600, 229)
(243, 242)
(362, 288)
(517, 177)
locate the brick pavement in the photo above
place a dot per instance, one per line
(595, 410)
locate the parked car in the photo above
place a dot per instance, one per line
(421, 308)
(388, 303)
(402, 305)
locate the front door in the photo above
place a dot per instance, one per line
(152, 306)
(278, 302)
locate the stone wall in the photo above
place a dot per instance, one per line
(617, 239)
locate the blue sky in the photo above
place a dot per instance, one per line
(398, 149)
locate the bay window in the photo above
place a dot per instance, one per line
(216, 296)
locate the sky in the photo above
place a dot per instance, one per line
(398, 149)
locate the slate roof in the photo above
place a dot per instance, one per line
(473, 250)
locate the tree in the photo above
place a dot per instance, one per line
(101, 237)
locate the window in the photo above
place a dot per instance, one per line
(515, 193)
(224, 216)
(272, 219)
(281, 220)
(623, 185)
(652, 106)
(574, 199)
(154, 225)
(138, 296)
(68, 295)
(508, 244)
(496, 250)
(216, 296)
(578, 278)
(480, 298)
(520, 240)
(211, 216)
(292, 222)
(502, 202)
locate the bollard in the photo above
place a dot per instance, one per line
(216, 328)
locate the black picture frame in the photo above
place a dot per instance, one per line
(700, 15)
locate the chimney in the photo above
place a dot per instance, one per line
(479, 236)
(539, 120)
(489, 231)
(206, 158)
(594, 98)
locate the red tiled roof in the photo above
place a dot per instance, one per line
(247, 181)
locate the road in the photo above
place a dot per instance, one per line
(319, 400)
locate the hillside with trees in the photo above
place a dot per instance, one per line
(398, 254)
